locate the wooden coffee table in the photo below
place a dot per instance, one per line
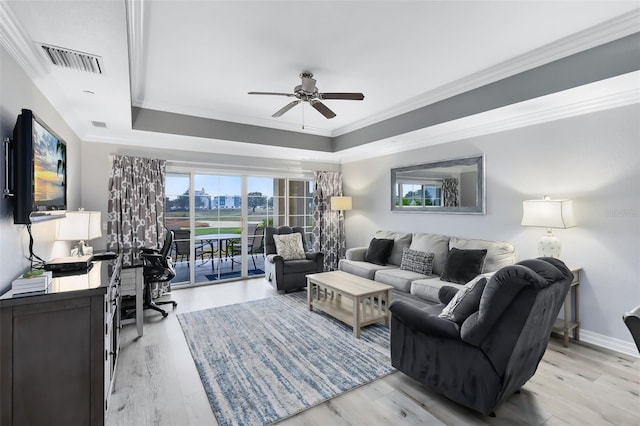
(349, 298)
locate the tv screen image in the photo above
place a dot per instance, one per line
(49, 168)
(38, 171)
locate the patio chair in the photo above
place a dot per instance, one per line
(181, 246)
(255, 245)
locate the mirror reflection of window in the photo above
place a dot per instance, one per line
(452, 186)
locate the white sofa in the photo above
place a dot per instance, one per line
(499, 254)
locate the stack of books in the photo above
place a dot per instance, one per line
(29, 283)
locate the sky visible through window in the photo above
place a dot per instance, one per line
(218, 185)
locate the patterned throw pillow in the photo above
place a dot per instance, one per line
(417, 261)
(289, 246)
(465, 302)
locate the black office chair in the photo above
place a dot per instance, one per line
(632, 320)
(158, 267)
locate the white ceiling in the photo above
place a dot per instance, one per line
(202, 57)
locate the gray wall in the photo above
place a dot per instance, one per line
(18, 92)
(593, 159)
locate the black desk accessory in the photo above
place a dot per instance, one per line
(104, 255)
(71, 263)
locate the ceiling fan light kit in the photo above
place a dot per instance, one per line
(307, 91)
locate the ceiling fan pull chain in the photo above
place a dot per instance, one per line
(303, 116)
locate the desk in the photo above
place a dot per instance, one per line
(132, 284)
(58, 349)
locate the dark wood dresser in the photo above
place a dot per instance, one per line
(58, 350)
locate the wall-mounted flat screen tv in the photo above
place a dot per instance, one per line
(39, 169)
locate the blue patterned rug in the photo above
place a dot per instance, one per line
(269, 359)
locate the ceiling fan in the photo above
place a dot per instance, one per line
(308, 92)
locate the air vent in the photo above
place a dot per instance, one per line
(71, 59)
(99, 124)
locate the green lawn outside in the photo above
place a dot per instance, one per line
(203, 231)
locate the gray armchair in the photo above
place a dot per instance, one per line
(283, 274)
(494, 351)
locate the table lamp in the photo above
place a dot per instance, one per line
(548, 213)
(80, 226)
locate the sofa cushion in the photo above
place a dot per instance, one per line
(463, 265)
(432, 243)
(399, 278)
(428, 288)
(379, 251)
(465, 302)
(299, 266)
(361, 268)
(417, 261)
(400, 241)
(499, 253)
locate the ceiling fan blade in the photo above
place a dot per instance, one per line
(347, 96)
(286, 108)
(271, 93)
(322, 109)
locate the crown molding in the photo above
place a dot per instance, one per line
(625, 91)
(14, 39)
(135, 15)
(613, 29)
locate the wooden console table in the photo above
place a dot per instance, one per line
(58, 349)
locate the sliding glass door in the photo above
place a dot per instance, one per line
(219, 221)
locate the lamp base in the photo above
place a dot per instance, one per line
(549, 246)
(82, 250)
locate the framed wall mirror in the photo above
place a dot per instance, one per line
(452, 186)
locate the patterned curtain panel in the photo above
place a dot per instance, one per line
(135, 216)
(450, 192)
(328, 225)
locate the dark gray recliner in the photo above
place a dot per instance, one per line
(496, 350)
(283, 274)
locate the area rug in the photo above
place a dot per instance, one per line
(269, 359)
(227, 275)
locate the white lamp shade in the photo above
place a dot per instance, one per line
(548, 213)
(341, 203)
(80, 226)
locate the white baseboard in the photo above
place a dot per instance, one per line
(607, 342)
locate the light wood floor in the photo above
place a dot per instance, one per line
(157, 382)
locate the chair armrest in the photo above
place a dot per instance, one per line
(151, 256)
(273, 258)
(316, 256)
(356, 253)
(145, 250)
(418, 320)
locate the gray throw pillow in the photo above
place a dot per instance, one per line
(465, 302)
(417, 261)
